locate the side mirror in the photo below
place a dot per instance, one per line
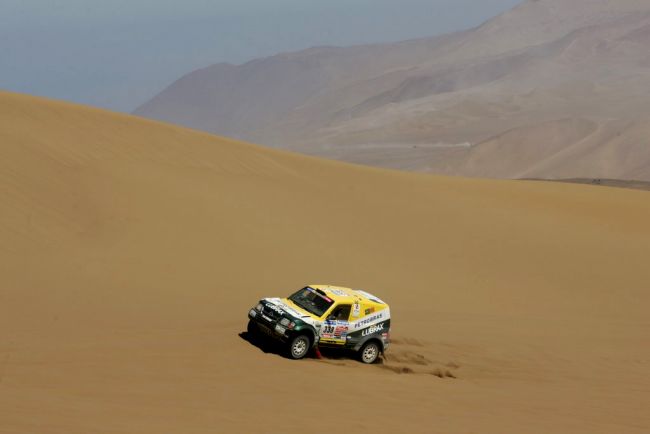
(331, 318)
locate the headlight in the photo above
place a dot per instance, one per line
(259, 307)
(287, 323)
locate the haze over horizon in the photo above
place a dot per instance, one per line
(118, 55)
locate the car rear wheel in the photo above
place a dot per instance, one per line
(299, 347)
(369, 352)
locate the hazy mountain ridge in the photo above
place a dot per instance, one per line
(542, 63)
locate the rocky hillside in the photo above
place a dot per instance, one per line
(547, 89)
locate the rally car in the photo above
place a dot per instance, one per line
(320, 316)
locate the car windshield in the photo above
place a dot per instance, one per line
(312, 300)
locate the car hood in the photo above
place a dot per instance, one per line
(286, 307)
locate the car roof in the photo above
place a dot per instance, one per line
(343, 294)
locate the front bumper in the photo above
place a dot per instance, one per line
(268, 325)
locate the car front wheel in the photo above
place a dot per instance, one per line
(299, 347)
(369, 352)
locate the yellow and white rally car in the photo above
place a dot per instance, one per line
(325, 316)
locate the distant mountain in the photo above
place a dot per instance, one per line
(550, 88)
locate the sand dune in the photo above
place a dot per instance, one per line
(545, 62)
(131, 251)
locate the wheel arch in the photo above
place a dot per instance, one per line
(307, 331)
(376, 339)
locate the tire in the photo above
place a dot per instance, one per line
(369, 352)
(299, 347)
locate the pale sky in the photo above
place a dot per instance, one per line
(119, 53)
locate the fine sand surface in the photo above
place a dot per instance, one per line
(132, 250)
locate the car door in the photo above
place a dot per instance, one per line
(335, 328)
